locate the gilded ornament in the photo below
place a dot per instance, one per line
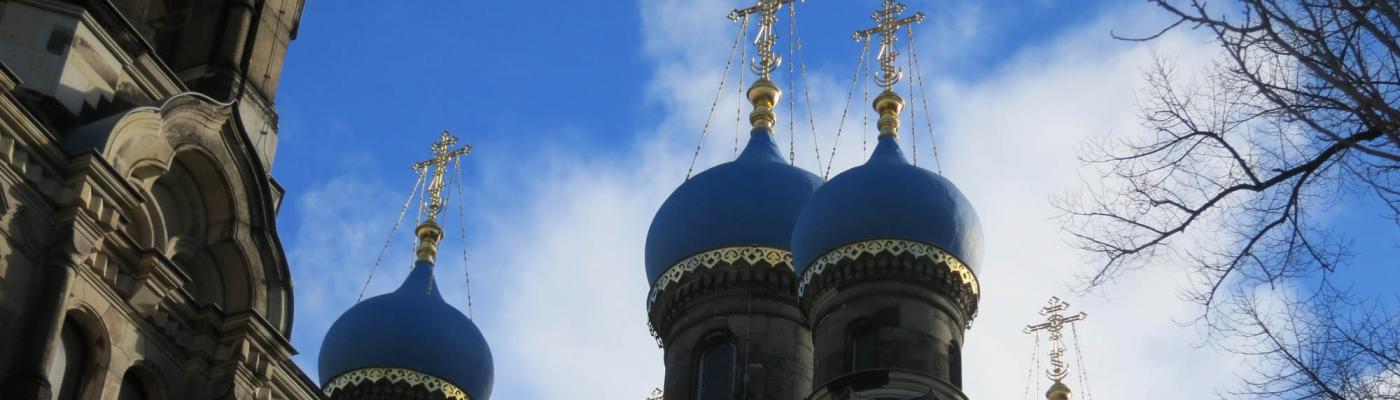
(429, 233)
(396, 375)
(1055, 323)
(887, 26)
(895, 247)
(751, 255)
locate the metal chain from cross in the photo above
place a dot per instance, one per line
(437, 166)
(766, 37)
(887, 25)
(1055, 323)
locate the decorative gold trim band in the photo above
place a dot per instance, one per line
(895, 247)
(725, 255)
(396, 375)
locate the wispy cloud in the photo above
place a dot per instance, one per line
(1010, 143)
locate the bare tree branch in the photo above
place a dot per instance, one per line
(1302, 109)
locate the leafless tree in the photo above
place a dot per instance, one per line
(1299, 113)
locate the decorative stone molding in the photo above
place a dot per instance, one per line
(395, 375)
(29, 165)
(750, 255)
(155, 279)
(141, 145)
(946, 268)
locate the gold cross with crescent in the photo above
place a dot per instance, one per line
(767, 10)
(1055, 323)
(437, 166)
(887, 26)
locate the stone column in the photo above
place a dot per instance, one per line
(43, 320)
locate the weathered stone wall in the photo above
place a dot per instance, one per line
(753, 307)
(887, 326)
(135, 210)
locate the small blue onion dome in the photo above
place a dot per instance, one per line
(751, 201)
(887, 198)
(410, 328)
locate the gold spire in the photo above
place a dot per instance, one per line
(887, 24)
(1058, 391)
(763, 94)
(1055, 324)
(429, 232)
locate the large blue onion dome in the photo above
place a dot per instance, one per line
(751, 201)
(409, 335)
(887, 198)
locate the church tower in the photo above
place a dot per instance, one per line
(886, 254)
(723, 301)
(139, 248)
(410, 344)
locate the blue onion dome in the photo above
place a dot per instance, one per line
(751, 201)
(409, 335)
(887, 198)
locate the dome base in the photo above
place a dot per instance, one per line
(391, 384)
(898, 260)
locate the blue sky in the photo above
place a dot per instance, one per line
(584, 116)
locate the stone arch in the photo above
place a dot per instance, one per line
(716, 360)
(199, 214)
(97, 343)
(145, 375)
(207, 201)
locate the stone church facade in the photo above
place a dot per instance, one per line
(139, 256)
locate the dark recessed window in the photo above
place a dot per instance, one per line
(955, 364)
(132, 388)
(66, 372)
(717, 372)
(863, 346)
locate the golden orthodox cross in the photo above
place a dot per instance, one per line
(1055, 323)
(887, 26)
(437, 166)
(767, 11)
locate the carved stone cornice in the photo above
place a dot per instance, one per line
(395, 375)
(726, 256)
(29, 151)
(8, 80)
(96, 188)
(766, 269)
(138, 57)
(155, 279)
(896, 259)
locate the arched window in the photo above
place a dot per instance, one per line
(955, 364)
(69, 358)
(873, 341)
(715, 377)
(863, 337)
(133, 388)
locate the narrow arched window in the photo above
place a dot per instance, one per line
(863, 337)
(132, 388)
(69, 358)
(715, 379)
(955, 364)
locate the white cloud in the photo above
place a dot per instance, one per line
(1010, 145)
(342, 226)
